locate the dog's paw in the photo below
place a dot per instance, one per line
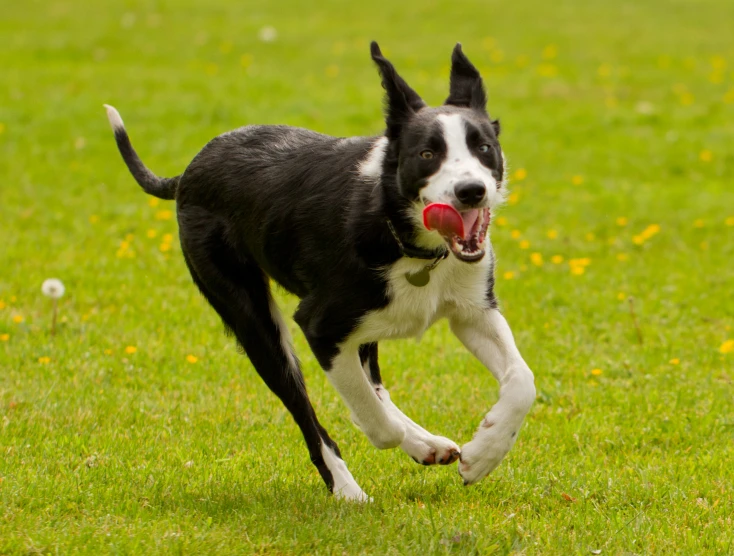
(428, 449)
(485, 452)
(384, 434)
(352, 493)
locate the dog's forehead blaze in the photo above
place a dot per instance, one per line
(426, 124)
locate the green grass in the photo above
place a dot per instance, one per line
(107, 451)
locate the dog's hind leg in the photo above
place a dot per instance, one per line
(240, 293)
(418, 443)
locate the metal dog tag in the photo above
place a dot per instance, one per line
(420, 278)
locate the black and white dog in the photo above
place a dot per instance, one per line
(338, 222)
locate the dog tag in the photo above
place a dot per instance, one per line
(420, 278)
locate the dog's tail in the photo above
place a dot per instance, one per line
(164, 188)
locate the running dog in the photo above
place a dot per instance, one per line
(379, 237)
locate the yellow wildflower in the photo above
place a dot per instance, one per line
(501, 221)
(4, 337)
(547, 70)
(605, 70)
(524, 244)
(520, 174)
(577, 180)
(727, 347)
(163, 215)
(557, 259)
(577, 270)
(164, 247)
(192, 358)
(590, 236)
(536, 259)
(621, 296)
(513, 198)
(17, 319)
(706, 155)
(153, 202)
(151, 233)
(621, 257)
(674, 361)
(550, 52)
(93, 219)
(552, 234)
(596, 372)
(44, 360)
(699, 223)
(2, 304)
(515, 234)
(509, 275)
(622, 221)
(168, 238)
(130, 350)
(686, 99)
(729, 221)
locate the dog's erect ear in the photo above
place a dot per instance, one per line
(400, 101)
(467, 89)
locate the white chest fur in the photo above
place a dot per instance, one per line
(454, 286)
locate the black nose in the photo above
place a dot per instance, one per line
(470, 192)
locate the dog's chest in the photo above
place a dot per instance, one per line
(453, 286)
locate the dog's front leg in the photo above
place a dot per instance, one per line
(487, 335)
(382, 427)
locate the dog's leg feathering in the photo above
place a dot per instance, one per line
(425, 448)
(487, 335)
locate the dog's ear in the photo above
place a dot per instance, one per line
(466, 89)
(400, 100)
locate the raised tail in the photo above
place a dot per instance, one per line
(163, 188)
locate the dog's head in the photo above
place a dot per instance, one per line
(448, 155)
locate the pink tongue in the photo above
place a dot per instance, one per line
(443, 218)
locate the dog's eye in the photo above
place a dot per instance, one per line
(426, 155)
(484, 148)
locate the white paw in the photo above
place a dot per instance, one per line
(485, 451)
(351, 493)
(428, 449)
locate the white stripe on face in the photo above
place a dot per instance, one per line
(459, 165)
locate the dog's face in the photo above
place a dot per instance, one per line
(449, 155)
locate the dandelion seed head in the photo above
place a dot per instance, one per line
(53, 288)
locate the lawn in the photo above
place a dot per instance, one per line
(139, 429)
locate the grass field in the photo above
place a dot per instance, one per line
(139, 428)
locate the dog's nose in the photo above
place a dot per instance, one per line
(470, 192)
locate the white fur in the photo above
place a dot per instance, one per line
(454, 285)
(114, 117)
(487, 335)
(346, 375)
(371, 167)
(345, 487)
(459, 165)
(418, 442)
(286, 341)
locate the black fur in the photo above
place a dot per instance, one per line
(286, 203)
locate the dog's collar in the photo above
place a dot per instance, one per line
(407, 250)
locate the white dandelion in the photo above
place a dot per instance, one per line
(53, 288)
(268, 34)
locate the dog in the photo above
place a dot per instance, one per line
(339, 222)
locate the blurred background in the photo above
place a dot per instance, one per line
(617, 122)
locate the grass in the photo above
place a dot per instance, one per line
(139, 428)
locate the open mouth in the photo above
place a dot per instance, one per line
(464, 232)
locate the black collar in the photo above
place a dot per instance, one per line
(407, 250)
